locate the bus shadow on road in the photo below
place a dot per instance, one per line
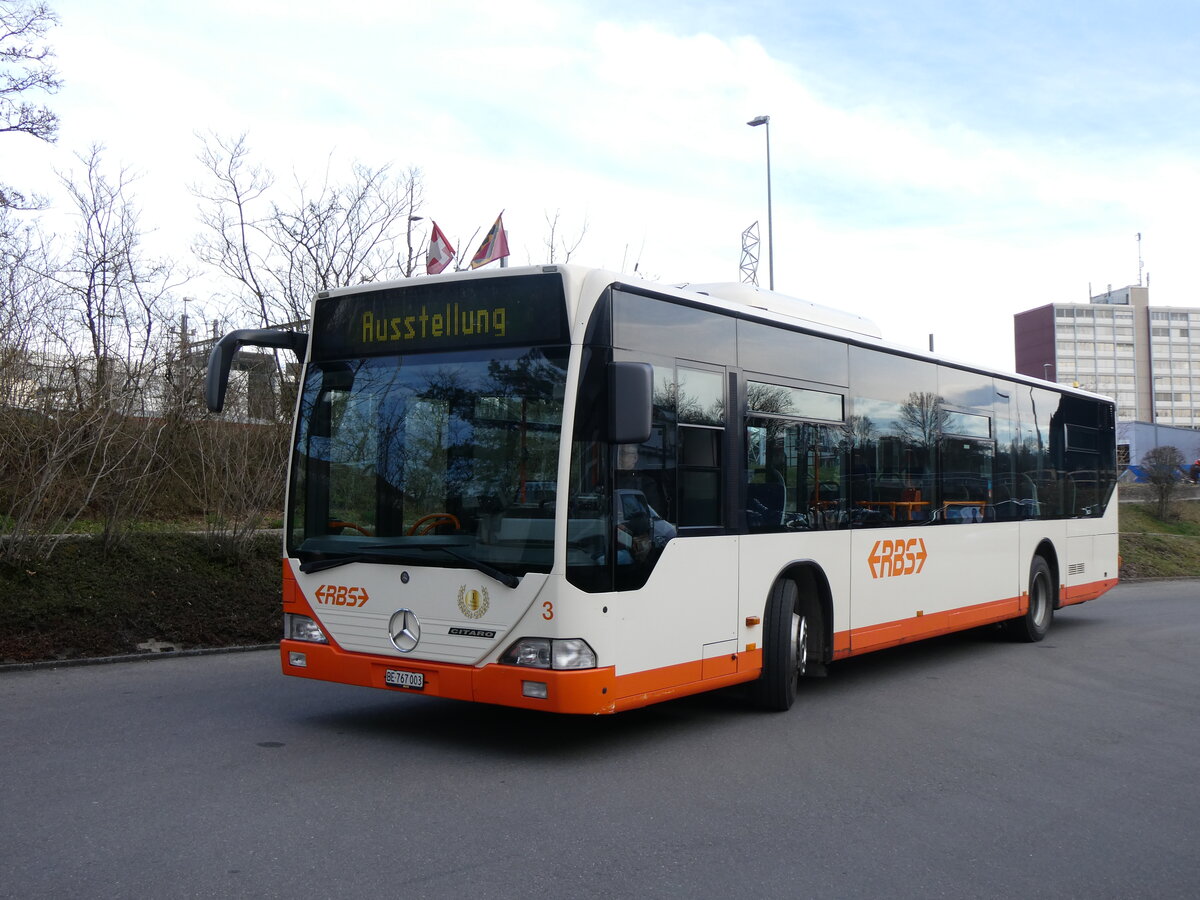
(944, 651)
(438, 724)
(446, 725)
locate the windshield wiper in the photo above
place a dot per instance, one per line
(503, 577)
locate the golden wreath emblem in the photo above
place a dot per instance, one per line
(472, 603)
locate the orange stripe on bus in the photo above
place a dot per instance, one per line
(655, 685)
(1081, 593)
(927, 625)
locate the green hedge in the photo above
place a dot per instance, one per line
(182, 589)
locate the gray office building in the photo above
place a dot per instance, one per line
(1147, 358)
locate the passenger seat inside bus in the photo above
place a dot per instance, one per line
(764, 504)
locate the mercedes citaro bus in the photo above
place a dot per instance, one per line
(563, 489)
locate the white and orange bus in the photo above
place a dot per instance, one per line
(555, 488)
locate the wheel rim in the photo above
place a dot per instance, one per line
(799, 644)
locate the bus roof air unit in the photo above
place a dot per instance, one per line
(792, 307)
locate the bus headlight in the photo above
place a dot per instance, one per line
(302, 628)
(572, 653)
(550, 653)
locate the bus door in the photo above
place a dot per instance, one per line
(673, 542)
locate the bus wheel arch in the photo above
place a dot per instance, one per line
(1032, 625)
(814, 591)
(796, 635)
(1047, 552)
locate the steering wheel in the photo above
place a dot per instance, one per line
(431, 522)
(338, 523)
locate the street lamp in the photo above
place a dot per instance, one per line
(408, 270)
(1046, 371)
(754, 123)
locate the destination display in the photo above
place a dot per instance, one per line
(443, 315)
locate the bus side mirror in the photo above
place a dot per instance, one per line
(216, 379)
(631, 399)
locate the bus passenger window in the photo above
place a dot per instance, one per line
(966, 476)
(795, 476)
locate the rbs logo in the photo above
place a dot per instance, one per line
(340, 595)
(891, 558)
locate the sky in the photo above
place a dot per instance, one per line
(936, 165)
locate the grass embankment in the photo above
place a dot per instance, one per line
(1157, 548)
(178, 589)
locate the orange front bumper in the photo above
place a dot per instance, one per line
(589, 691)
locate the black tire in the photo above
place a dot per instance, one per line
(1033, 625)
(785, 648)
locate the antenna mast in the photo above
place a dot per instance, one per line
(750, 255)
(1139, 240)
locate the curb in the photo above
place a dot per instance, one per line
(129, 657)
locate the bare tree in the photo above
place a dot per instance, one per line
(233, 217)
(25, 397)
(921, 419)
(232, 471)
(557, 244)
(25, 67)
(88, 415)
(21, 299)
(279, 252)
(465, 254)
(118, 301)
(1164, 469)
(116, 296)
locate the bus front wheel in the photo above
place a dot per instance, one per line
(1033, 625)
(785, 648)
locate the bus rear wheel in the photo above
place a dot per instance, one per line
(785, 648)
(1033, 625)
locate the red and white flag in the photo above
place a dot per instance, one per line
(440, 252)
(494, 246)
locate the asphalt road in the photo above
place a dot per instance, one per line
(964, 767)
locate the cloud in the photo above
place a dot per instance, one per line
(893, 196)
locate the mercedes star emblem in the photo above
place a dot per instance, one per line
(405, 630)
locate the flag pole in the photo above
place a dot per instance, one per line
(504, 259)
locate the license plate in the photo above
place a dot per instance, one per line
(413, 680)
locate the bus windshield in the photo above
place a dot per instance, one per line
(437, 458)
